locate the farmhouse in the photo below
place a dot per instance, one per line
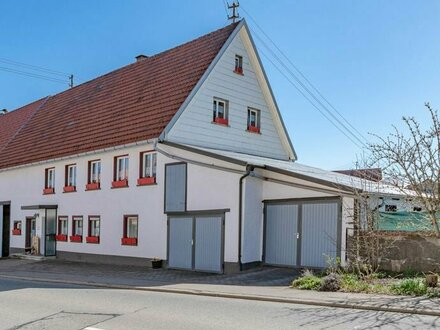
(181, 156)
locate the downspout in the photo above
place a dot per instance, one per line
(249, 170)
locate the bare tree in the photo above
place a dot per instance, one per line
(411, 162)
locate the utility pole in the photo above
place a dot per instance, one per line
(235, 14)
(71, 81)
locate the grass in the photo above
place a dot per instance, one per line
(308, 281)
(408, 283)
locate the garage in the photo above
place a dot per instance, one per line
(302, 232)
(196, 242)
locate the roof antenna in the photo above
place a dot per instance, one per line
(71, 81)
(235, 14)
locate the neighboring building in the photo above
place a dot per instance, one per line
(181, 156)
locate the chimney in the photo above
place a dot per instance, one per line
(3, 112)
(141, 57)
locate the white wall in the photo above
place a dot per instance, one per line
(252, 234)
(207, 189)
(195, 125)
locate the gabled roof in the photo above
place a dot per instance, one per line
(12, 122)
(128, 105)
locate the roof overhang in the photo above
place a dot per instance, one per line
(39, 207)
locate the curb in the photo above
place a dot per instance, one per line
(204, 293)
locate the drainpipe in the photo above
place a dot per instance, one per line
(249, 169)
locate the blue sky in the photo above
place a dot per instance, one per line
(374, 60)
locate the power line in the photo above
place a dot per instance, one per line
(309, 83)
(309, 92)
(34, 67)
(33, 75)
(310, 101)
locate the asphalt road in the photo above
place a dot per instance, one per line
(36, 305)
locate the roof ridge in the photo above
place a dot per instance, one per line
(43, 102)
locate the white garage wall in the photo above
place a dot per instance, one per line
(252, 234)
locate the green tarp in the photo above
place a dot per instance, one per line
(404, 221)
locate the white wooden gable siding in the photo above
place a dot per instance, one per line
(195, 127)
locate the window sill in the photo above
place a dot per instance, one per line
(255, 130)
(146, 181)
(120, 184)
(76, 239)
(61, 238)
(129, 241)
(93, 186)
(69, 189)
(92, 239)
(48, 191)
(221, 122)
(16, 232)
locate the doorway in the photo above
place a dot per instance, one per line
(30, 233)
(6, 229)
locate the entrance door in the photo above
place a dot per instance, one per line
(6, 229)
(196, 243)
(30, 233)
(281, 234)
(50, 226)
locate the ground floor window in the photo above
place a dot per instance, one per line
(62, 225)
(94, 226)
(130, 235)
(77, 226)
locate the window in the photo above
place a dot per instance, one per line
(50, 178)
(94, 225)
(16, 229)
(238, 64)
(220, 111)
(62, 225)
(130, 235)
(390, 208)
(253, 122)
(77, 226)
(148, 165)
(120, 172)
(70, 178)
(131, 226)
(94, 171)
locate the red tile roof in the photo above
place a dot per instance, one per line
(131, 104)
(12, 122)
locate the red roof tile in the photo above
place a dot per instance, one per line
(12, 122)
(131, 104)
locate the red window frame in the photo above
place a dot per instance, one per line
(93, 185)
(146, 180)
(117, 183)
(129, 240)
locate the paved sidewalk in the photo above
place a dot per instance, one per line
(266, 284)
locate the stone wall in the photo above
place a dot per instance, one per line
(405, 251)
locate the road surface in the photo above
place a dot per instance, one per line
(35, 305)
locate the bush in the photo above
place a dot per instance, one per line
(410, 286)
(331, 282)
(352, 283)
(307, 281)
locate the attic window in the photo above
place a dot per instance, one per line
(220, 111)
(253, 122)
(238, 64)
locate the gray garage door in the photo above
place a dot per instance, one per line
(196, 243)
(319, 239)
(281, 234)
(302, 233)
